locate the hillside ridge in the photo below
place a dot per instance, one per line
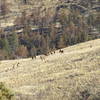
(58, 76)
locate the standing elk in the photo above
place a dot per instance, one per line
(61, 51)
(42, 57)
(54, 52)
(34, 57)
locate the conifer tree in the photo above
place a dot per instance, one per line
(61, 42)
(6, 46)
(44, 45)
(33, 52)
(4, 7)
(13, 42)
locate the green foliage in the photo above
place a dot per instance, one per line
(6, 46)
(13, 42)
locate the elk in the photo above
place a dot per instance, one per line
(18, 64)
(54, 52)
(33, 57)
(51, 53)
(90, 46)
(61, 51)
(42, 57)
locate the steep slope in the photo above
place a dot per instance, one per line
(72, 75)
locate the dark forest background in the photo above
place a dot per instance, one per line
(35, 33)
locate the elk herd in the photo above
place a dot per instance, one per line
(43, 57)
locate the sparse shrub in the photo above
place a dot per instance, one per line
(94, 97)
(84, 95)
(5, 94)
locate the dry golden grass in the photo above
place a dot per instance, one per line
(65, 76)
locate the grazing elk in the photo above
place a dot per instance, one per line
(33, 57)
(42, 57)
(33, 53)
(90, 46)
(51, 53)
(54, 52)
(61, 51)
(18, 64)
(13, 66)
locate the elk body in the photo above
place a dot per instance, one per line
(33, 57)
(42, 57)
(61, 51)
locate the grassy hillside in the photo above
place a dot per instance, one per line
(73, 75)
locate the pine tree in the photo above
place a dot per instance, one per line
(53, 34)
(6, 46)
(4, 7)
(33, 52)
(14, 43)
(61, 42)
(25, 22)
(45, 45)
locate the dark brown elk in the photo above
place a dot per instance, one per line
(51, 53)
(33, 57)
(18, 64)
(61, 51)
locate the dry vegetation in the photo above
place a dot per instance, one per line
(72, 75)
